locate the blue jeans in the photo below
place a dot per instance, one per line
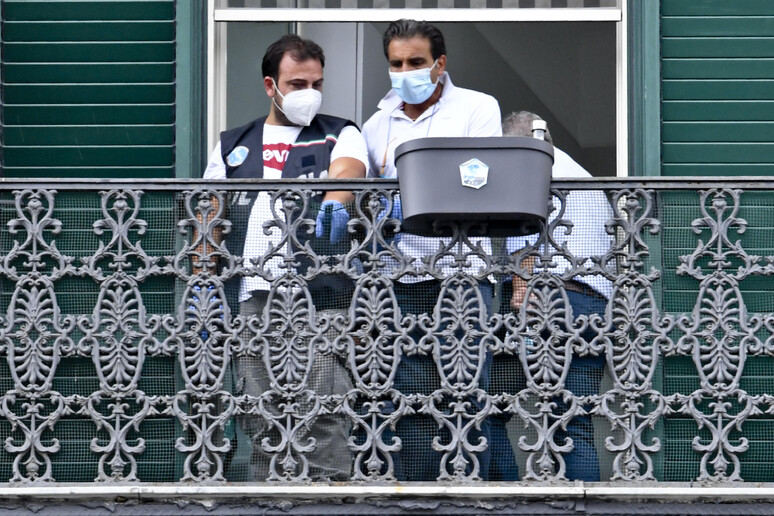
(582, 379)
(417, 374)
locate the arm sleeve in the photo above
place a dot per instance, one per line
(351, 144)
(485, 119)
(216, 169)
(369, 133)
(513, 244)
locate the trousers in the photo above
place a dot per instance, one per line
(583, 379)
(418, 374)
(331, 458)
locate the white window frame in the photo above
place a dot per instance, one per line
(216, 47)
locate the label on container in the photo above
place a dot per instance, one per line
(474, 173)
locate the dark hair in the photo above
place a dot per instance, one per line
(299, 49)
(405, 29)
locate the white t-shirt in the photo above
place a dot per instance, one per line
(459, 112)
(588, 210)
(277, 142)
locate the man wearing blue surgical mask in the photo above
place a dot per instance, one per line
(423, 102)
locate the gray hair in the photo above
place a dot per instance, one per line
(519, 123)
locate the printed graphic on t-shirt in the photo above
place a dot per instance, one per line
(275, 155)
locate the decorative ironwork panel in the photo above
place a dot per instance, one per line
(150, 333)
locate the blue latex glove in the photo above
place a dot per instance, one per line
(198, 298)
(332, 217)
(396, 213)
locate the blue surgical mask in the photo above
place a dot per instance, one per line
(415, 86)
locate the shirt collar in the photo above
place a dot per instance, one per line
(391, 101)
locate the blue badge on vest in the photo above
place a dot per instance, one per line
(237, 156)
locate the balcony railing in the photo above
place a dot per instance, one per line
(128, 358)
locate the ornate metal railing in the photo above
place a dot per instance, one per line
(125, 357)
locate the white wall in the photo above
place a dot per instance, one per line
(569, 66)
(339, 42)
(246, 98)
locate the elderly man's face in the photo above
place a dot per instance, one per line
(413, 53)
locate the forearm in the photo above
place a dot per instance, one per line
(344, 168)
(204, 255)
(520, 284)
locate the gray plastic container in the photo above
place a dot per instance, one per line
(513, 200)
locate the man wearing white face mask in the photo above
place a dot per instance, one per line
(423, 102)
(293, 141)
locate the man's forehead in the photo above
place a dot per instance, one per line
(415, 46)
(289, 65)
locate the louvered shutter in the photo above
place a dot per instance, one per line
(717, 87)
(717, 119)
(88, 88)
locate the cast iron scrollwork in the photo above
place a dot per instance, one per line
(117, 332)
(35, 334)
(719, 333)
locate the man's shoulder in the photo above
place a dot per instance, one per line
(471, 97)
(343, 134)
(565, 166)
(452, 90)
(332, 121)
(330, 118)
(229, 137)
(374, 121)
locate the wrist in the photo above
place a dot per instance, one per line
(340, 197)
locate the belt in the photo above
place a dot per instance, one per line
(582, 288)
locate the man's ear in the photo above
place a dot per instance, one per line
(268, 85)
(441, 67)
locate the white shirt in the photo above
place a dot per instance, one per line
(588, 210)
(277, 141)
(458, 112)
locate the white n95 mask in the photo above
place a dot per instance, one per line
(299, 106)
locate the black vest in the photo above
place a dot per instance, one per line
(303, 161)
(308, 160)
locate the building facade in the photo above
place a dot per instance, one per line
(108, 112)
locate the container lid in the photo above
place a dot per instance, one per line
(490, 142)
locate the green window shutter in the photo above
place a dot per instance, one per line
(717, 107)
(717, 87)
(88, 88)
